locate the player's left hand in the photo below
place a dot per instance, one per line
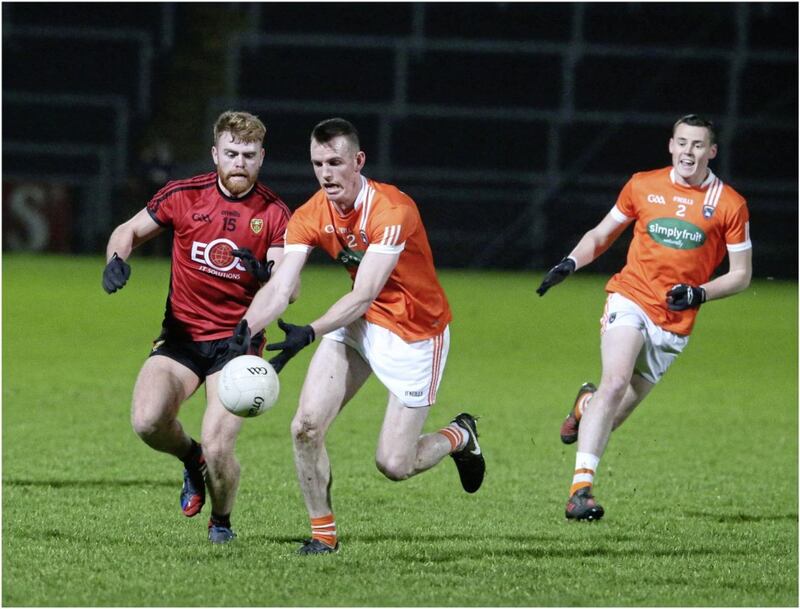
(684, 296)
(258, 269)
(239, 343)
(297, 338)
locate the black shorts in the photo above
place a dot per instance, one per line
(203, 357)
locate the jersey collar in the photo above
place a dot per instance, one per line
(362, 194)
(706, 183)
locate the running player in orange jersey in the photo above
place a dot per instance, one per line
(686, 220)
(394, 323)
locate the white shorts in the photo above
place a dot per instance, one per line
(411, 371)
(660, 348)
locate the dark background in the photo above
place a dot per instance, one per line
(513, 125)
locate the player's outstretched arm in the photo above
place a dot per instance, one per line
(592, 245)
(272, 299)
(121, 243)
(373, 272)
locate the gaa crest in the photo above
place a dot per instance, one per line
(708, 211)
(256, 224)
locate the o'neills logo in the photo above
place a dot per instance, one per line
(676, 234)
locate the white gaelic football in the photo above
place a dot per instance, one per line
(248, 386)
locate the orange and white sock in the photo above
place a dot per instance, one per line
(585, 467)
(456, 435)
(324, 529)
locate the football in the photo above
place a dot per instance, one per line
(248, 386)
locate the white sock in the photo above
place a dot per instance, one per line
(585, 468)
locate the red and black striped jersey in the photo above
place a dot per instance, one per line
(210, 289)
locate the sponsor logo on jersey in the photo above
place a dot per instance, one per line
(350, 258)
(201, 217)
(676, 234)
(656, 199)
(216, 256)
(256, 224)
(684, 200)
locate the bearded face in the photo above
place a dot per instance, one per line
(238, 163)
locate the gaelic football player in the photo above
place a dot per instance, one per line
(227, 233)
(393, 323)
(686, 220)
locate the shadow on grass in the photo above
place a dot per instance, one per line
(440, 548)
(739, 517)
(12, 482)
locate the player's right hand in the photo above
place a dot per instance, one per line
(116, 274)
(556, 275)
(258, 269)
(239, 343)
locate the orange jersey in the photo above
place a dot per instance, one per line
(412, 304)
(681, 235)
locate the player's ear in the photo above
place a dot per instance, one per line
(712, 152)
(361, 159)
(262, 155)
(214, 155)
(671, 145)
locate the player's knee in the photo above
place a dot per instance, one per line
(148, 424)
(219, 456)
(614, 386)
(394, 468)
(306, 430)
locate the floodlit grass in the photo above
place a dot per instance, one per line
(700, 486)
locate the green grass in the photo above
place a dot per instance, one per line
(699, 486)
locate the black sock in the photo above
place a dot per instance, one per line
(193, 455)
(221, 521)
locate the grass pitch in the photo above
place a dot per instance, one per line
(700, 485)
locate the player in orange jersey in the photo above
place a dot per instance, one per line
(394, 322)
(686, 220)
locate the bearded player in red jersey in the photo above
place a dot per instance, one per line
(227, 235)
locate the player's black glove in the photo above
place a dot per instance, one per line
(556, 275)
(258, 269)
(297, 338)
(684, 296)
(239, 343)
(116, 274)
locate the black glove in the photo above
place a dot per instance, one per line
(684, 296)
(297, 337)
(116, 274)
(556, 275)
(258, 269)
(239, 343)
